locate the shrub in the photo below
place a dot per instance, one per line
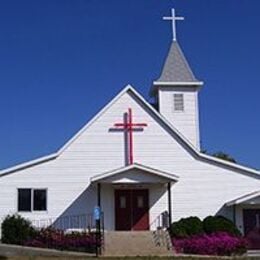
(15, 230)
(186, 227)
(218, 223)
(215, 244)
(58, 239)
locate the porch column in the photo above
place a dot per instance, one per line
(99, 194)
(169, 202)
(98, 221)
(234, 214)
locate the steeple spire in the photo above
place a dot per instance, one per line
(176, 70)
(173, 18)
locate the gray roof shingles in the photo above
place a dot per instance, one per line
(176, 67)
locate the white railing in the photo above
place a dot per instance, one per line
(73, 222)
(161, 221)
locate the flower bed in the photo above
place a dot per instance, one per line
(58, 239)
(220, 243)
(19, 231)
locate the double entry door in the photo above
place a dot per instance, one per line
(132, 209)
(252, 227)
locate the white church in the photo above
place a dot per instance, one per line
(137, 163)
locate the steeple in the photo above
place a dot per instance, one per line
(176, 90)
(176, 68)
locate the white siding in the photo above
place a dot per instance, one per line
(187, 121)
(202, 190)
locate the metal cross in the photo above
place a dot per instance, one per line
(173, 18)
(129, 126)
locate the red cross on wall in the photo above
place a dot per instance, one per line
(129, 127)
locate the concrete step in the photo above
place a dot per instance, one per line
(137, 243)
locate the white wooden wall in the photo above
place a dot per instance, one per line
(202, 190)
(187, 121)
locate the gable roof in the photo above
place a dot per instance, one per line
(177, 134)
(244, 198)
(136, 166)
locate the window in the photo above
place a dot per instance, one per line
(140, 202)
(32, 200)
(122, 202)
(39, 200)
(24, 200)
(178, 101)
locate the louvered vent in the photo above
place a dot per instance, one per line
(178, 101)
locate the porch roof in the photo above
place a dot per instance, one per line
(135, 173)
(251, 198)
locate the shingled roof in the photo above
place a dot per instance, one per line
(176, 68)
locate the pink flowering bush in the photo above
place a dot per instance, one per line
(220, 243)
(58, 239)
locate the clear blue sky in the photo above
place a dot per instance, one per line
(62, 61)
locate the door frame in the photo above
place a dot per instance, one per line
(132, 189)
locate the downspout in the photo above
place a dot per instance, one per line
(234, 214)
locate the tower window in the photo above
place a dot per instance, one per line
(178, 102)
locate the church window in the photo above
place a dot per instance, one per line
(140, 202)
(39, 200)
(24, 200)
(32, 200)
(178, 101)
(122, 202)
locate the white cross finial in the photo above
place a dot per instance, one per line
(173, 18)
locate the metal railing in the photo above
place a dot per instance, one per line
(76, 223)
(161, 221)
(84, 222)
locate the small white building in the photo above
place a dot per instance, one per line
(137, 162)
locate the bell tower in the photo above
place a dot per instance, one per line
(176, 91)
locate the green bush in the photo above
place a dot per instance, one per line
(16, 230)
(186, 227)
(213, 224)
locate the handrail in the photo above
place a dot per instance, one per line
(78, 223)
(67, 222)
(161, 221)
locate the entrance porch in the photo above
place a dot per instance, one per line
(247, 217)
(135, 197)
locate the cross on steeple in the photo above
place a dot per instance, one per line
(173, 18)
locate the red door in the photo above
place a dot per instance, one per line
(123, 209)
(132, 209)
(140, 210)
(252, 227)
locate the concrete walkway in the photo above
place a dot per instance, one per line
(253, 253)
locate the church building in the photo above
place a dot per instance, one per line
(141, 164)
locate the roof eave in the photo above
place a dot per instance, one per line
(28, 164)
(99, 177)
(243, 199)
(156, 84)
(176, 83)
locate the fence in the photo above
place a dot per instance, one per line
(84, 222)
(75, 232)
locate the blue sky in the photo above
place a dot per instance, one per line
(62, 61)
